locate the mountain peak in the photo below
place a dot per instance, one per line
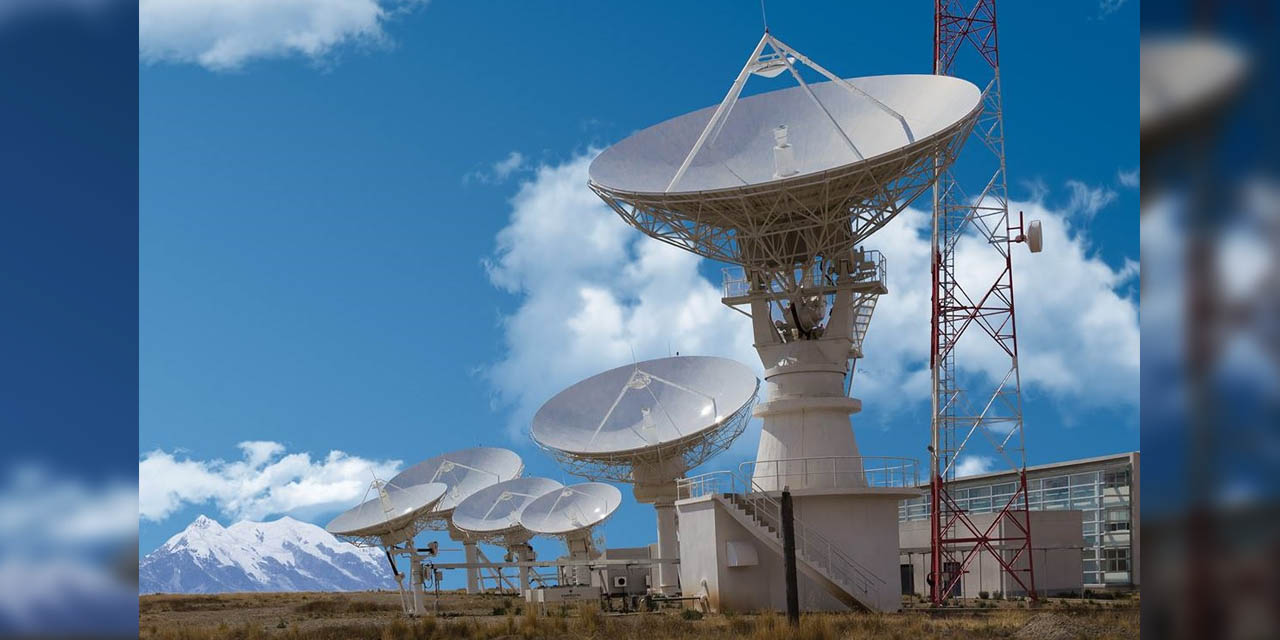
(282, 555)
(204, 522)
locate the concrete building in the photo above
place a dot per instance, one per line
(1105, 492)
(1055, 550)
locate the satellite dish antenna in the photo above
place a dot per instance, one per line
(571, 513)
(492, 515)
(647, 424)
(792, 207)
(1185, 84)
(463, 473)
(1183, 79)
(395, 514)
(390, 520)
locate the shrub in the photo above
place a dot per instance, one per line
(984, 595)
(589, 617)
(691, 614)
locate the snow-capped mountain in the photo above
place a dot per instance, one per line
(283, 555)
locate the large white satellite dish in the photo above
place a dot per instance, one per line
(463, 472)
(493, 513)
(777, 179)
(571, 511)
(390, 514)
(741, 160)
(681, 409)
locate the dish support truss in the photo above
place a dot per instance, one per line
(962, 418)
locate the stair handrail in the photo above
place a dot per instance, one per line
(813, 546)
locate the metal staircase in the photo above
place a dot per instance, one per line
(841, 576)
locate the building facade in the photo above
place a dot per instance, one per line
(1103, 489)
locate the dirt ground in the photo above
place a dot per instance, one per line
(378, 615)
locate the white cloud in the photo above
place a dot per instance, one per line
(1086, 200)
(594, 294)
(223, 35)
(40, 507)
(591, 290)
(974, 465)
(266, 481)
(499, 171)
(1131, 179)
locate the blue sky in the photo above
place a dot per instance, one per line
(315, 227)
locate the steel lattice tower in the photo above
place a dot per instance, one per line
(972, 413)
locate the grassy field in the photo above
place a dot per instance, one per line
(377, 615)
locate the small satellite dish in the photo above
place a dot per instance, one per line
(392, 513)
(651, 412)
(463, 473)
(1035, 236)
(571, 510)
(494, 511)
(1181, 79)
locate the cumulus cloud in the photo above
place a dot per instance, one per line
(974, 465)
(1087, 201)
(593, 293)
(265, 481)
(223, 35)
(1131, 179)
(39, 506)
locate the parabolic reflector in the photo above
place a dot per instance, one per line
(463, 473)
(571, 509)
(389, 514)
(843, 154)
(686, 407)
(1182, 78)
(495, 509)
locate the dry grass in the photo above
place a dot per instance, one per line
(303, 616)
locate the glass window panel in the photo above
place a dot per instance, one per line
(979, 492)
(1003, 489)
(1116, 478)
(1091, 527)
(1083, 492)
(1090, 566)
(1084, 503)
(1033, 485)
(1055, 494)
(1084, 478)
(1055, 482)
(980, 504)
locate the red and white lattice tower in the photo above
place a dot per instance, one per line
(981, 414)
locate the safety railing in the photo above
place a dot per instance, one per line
(812, 546)
(833, 472)
(868, 266)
